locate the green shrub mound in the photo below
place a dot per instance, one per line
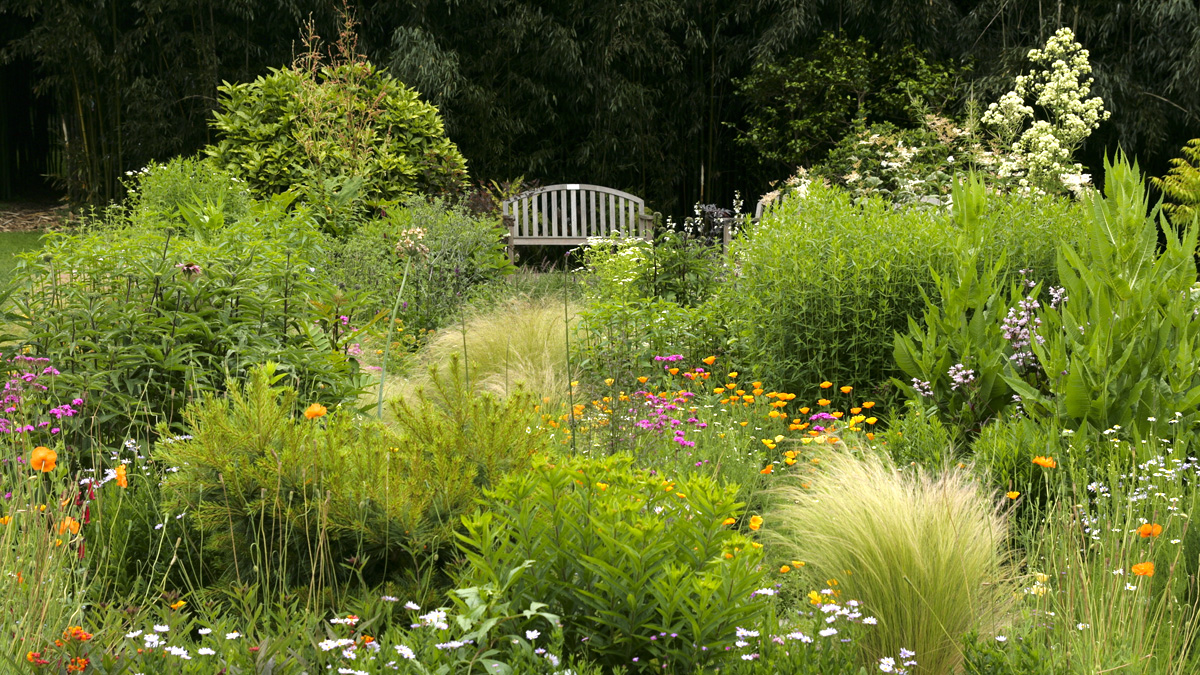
(643, 571)
(141, 320)
(438, 251)
(820, 286)
(339, 134)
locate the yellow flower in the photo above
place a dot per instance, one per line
(855, 411)
(733, 374)
(1013, 495)
(814, 598)
(1045, 462)
(681, 495)
(785, 569)
(869, 404)
(847, 390)
(755, 522)
(673, 371)
(719, 390)
(314, 411)
(609, 382)
(768, 469)
(122, 476)
(178, 604)
(68, 524)
(1145, 569)
(827, 384)
(5, 520)
(643, 379)
(755, 544)
(709, 360)
(729, 521)
(797, 563)
(823, 402)
(872, 420)
(602, 486)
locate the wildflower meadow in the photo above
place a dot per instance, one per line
(295, 408)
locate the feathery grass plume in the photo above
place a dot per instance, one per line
(924, 553)
(518, 343)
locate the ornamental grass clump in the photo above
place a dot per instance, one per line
(924, 553)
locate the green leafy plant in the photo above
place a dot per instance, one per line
(141, 320)
(643, 571)
(1181, 185)
(447, 251)
(822, 283)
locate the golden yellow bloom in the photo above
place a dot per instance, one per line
(827, 384)
(729, 521)
(719, 390)
(846, 390)
(755, 522)
(1013, 495)
(68, 524)
(122, 476)
(872, 420)
(814, 598)
(1045, 462)
(785, 569)
(733, 374)
(609, 382)
(643, 379)
(314, 411)
(823, 402)
(755, 544)
(709, 360)
(869, 404)
(602, 486)
(178, 604)
(855, 411)
(1145, 569)
(769, 468)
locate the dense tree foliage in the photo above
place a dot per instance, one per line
(638, 94)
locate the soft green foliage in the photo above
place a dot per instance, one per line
(12, 243)
(334, 133)
(1116, 344)
(444, 250)
(923, 553)
(1181, 185)
(800, 108)
(283, 501)
(822, 283)
(141, 320)
(182, 188)
(622, 556)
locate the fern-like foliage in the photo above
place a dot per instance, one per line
(1181, 185)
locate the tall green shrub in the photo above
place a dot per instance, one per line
(142, 319)
(643, 571)
(338, 134)
(822, 283)
(1117, 344)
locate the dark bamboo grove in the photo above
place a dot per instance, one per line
(637, 94)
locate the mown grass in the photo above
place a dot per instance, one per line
(12, 243)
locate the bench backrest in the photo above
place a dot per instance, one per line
(570, 213)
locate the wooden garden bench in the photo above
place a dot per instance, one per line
(571, 213)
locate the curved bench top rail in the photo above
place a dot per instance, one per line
(576, 186)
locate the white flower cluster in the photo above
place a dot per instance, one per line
(1059, 85)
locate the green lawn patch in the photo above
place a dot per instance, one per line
(12, 243)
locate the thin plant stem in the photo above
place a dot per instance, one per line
(387, 345)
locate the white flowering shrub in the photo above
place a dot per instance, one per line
(1058, 85)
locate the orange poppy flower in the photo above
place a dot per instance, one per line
(43, 459)
(805, 410)
(314, 411)
(122, 476)
(729, 521)
(847, 390)
(1150, 530)
(785, 569)
(1045, 462)
(68, 524)
(826, 384)
(673, 371)
(768, 469)
(855, 411)
(1145, 569)
(823, 402)
(1013, 495)
(643, 379)
(755, 522)
(869, 404)
(708, 361)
